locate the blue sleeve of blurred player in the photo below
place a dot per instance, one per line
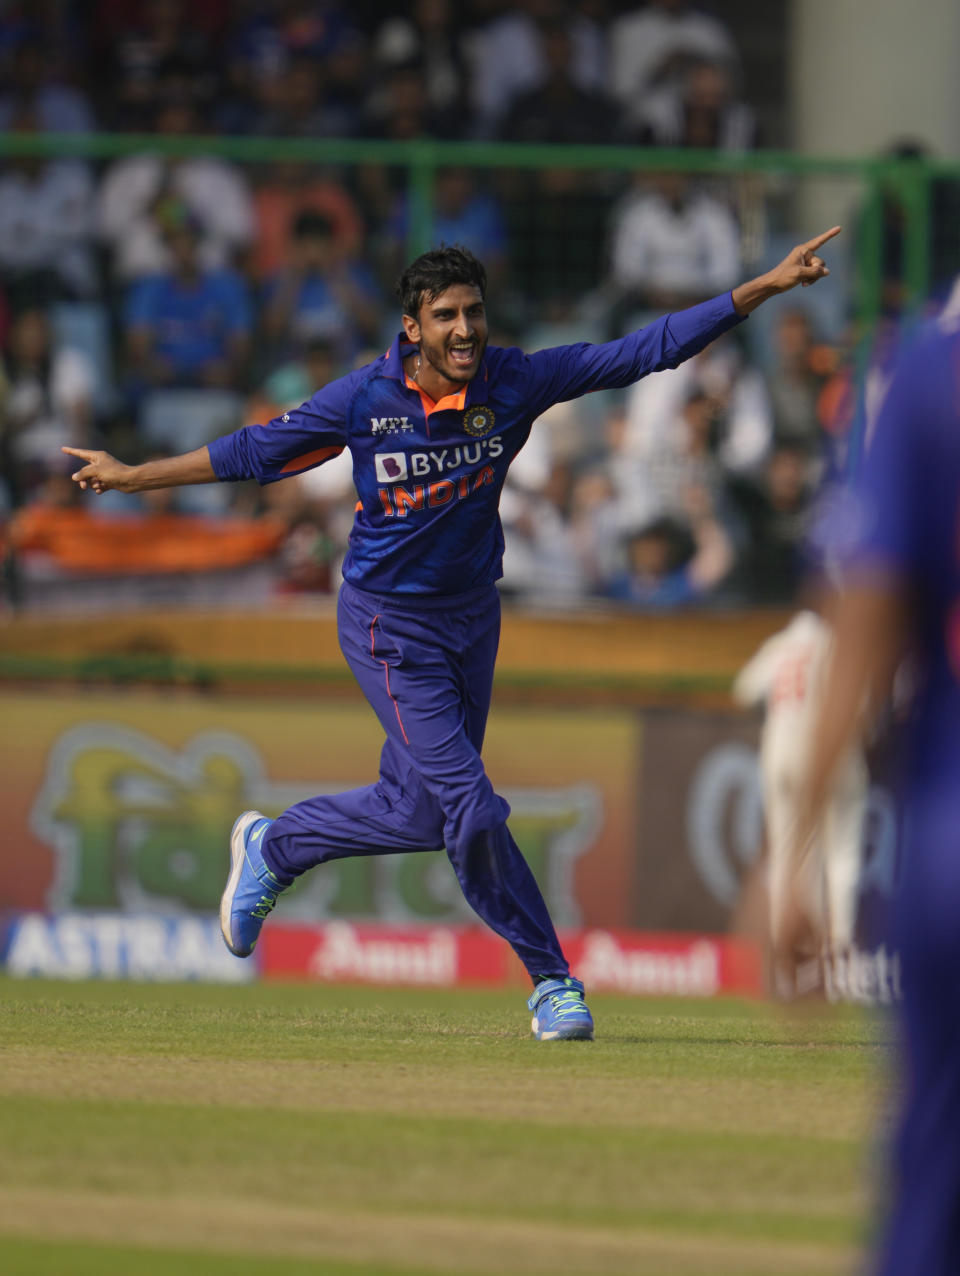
(880, 527)
(298, 440)
(565, 372)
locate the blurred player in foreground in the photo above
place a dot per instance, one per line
(900, 545)
(432, 427)
(786, 677)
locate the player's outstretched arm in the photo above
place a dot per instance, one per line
(801, 265)
(103, 472)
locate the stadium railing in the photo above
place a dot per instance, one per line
(909, 181)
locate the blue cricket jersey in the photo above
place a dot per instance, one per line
(429, 475)
(904, 522)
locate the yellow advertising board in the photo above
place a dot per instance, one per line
(124, 801)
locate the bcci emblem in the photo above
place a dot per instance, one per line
(479, 421)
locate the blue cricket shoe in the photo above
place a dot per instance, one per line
(559, 1011)
(252, 889)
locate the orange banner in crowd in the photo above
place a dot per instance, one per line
(80, 540)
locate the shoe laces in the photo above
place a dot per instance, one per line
(566, 1003)
(264, 905)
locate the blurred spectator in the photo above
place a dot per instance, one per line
(46, 401)
(321, 293)
(35, 88)
(702, 113)
(558, 223)
(776, 516)
(158, 53)
(400, 110)
(558, 109)
(430, 37)
(136, 188)
(288, 190)
(297, 104)
(462, 214)
(347, 72)
(941, 234)
(683, 481)
(596, 527)
(672, 244)
(267, 35)
(541, 560)
(797, 379)
(659, 483)
(294, 382)
(557, 439)
(510, 57)
(308, 553)
(740, 403)
(668, 565)
(4, 319)
(46, 226)
(652, 46)
(188, 326)
(264, 42)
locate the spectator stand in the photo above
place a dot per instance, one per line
(438, 179)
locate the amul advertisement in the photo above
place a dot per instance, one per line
(637, 824)
(123, 803)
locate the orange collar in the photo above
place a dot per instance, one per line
(456, 402)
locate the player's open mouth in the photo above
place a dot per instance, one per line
(463, 356)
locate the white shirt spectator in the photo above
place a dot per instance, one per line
(213, 192)
(44, 416)
(541, 559)
(655, 405)
(662, 114)
(691, 247)
(643, 42)
(46, 223)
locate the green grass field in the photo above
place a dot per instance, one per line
(160, 1129)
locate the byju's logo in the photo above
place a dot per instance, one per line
(391, 467)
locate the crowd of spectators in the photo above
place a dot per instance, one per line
(153, 300)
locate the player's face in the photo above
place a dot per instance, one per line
(452, 332)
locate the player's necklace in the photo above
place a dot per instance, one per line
(416, 371)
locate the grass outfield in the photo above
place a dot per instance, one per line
(356, 1132)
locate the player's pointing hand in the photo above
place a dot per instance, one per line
(802, 265)
(102, 472)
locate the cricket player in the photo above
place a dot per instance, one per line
(432, 426)
(786, 677)
(900, 545)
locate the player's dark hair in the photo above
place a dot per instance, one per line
(436, 271)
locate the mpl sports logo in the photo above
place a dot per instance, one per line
(381, 425)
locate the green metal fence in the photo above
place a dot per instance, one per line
(908, 182)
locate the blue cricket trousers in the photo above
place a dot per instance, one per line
(426, 666)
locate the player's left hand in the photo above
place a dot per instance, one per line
(802, 265)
